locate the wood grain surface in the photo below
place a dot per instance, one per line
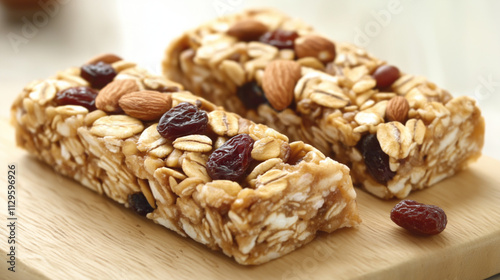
(66, 231)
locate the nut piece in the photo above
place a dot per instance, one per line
(315, 46)
(108, 58)
(146, 105)
(397, 109)
(279, 82)
(247, 30)
(107, 99)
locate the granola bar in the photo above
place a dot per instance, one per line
(282, 195)
(397, 132)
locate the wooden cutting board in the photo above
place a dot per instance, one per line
(65, 231)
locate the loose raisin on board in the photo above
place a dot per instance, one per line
(376, 161)
(98, 75)
(83, 96)
(282, 39)
(139, 203)
(183, 119)
(419, 218)
(231, 160)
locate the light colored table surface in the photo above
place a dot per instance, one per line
(456, 44)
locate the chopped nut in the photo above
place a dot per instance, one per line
(315, 46)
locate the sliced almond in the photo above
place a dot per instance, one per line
(315, 46)
(146, 105)
(279, 82)
(107, 99)
(247, 30)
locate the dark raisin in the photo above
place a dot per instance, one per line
(183, 119)
(385, 75)
(376, 161)
(83, 96)
(419, 218)
(139, 204)
(252, 95)
(98, 75)
(282, 39)
(231, 160)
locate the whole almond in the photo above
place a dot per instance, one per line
(278, 82)
(397, 109)
(107, 99)
(247, 30)
(108, 58)
(146, 105)
(315, 46)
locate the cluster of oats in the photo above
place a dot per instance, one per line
(289, 194)
(337, 103)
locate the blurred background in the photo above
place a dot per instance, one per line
(454, 43)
